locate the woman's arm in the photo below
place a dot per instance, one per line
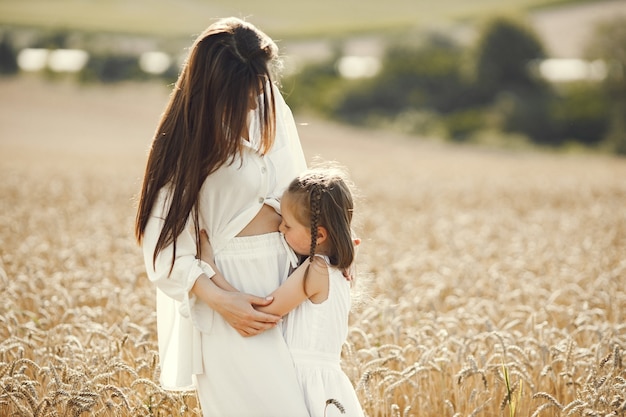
(235, 307)
(187, 278)
(207, 256)
(221, 296)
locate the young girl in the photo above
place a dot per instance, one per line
(316, 210)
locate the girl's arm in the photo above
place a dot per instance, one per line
(292, 292)
(235, 307)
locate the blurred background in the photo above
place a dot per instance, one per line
(487, 138)
(504, 73)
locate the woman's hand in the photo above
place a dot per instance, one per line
(238, 311)
(235, 307)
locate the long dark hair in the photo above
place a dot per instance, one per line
(228, 65)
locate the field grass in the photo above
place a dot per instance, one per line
(475, 264)
(277, 17)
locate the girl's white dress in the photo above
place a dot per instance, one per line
(315, 334)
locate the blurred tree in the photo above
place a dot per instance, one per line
(423, 77)
(8, 56)
(502, 55)
(437, 87)
(500, 69)
(426, 75)
(53, 39)
(314, 87)
(581, 112)
(112, 67)
(527, 113)
(609, 45)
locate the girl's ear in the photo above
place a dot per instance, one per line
(322, 234)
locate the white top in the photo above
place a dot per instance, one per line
(229, 199)
(315, 334)
(321, 327)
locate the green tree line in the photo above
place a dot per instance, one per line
(434, 86)
(437, 87)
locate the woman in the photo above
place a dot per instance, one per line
(225, 149)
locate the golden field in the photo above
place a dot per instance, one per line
(492, 282)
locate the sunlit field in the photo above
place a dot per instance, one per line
(491, 283)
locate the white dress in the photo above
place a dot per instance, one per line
(315, 334)
(250, 376)
(234, 376)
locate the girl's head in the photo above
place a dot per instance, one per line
(317, 210)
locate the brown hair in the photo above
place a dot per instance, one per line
(200, 130)
(322, 197)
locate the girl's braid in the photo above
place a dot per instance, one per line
(315, 197)
(316, 204)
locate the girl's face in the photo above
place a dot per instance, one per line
(297, 235)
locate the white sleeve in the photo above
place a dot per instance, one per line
(178, 325)
(286, 154)
(186, 269)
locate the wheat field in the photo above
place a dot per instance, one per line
(491, 282)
